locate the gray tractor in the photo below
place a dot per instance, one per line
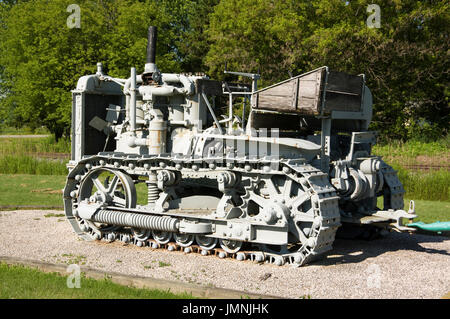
(154, 164)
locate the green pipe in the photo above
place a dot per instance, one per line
(433, 227)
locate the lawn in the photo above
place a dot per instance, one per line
(31, 190)
(21, 282)
(41, 190)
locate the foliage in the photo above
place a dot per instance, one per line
(405, 60)
(42, 58)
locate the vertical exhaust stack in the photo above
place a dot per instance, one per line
(150, 65)
(151, 45)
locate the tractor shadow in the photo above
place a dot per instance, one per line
(356, 250)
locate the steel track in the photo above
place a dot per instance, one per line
(324, 202)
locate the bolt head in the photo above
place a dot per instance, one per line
(286, 170)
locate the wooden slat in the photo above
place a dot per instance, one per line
(278, 97)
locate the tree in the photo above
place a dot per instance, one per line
(405, 60)
(42, 58)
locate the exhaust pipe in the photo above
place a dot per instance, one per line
(150, 66)
(151, 45)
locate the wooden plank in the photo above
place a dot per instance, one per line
(309, 94)
(278, 97)
(300, 95)
(275, 103)
(308, 105)
(286, 89)
(295, 97)
(309, 89)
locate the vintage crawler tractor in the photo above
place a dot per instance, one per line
(274, 188)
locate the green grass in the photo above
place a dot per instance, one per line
(8, 130)
(31, 190)
(15, 146)
(28, 156)
(431, 211)
(415, 153)
(413, 148)
(426, 185)
(20, 282)
(41, 190)
(24, 164)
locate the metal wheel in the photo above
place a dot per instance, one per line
(230, 246)
(109, 187)
(161, 237)
(206, 243)
(184, 240)
(142, 234)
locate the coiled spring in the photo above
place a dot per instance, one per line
(153, 193)
(136, 220)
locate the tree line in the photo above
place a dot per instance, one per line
(405, 59)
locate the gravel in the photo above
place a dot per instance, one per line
(396, 266)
